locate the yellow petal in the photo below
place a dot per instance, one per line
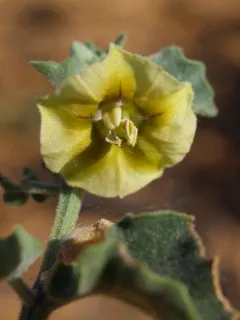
(117, 172)
(72, 90)
(112, 78)
(168, 106)
(151, 81)
(120, 73)
(172, 131)
(153, 154)
(64, 133)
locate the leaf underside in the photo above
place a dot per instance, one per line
(153, 261)
(168, 243)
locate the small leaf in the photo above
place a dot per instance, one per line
(107, 269)
(54, 71)
(120, 41)
(15, 198)
(39, 197)
(17, 253)
(167, 242)
(173, 60)
(97, 51)
(81, 56)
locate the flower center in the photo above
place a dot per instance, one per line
(114, 125)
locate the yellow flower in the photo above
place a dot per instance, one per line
(113, 128)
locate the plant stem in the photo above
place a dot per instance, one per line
(67, 214)
(23, 291)
(38, 187)
(68, 209)
(40, 313)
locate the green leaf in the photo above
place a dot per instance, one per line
(17, 194)
(17, 253)
(97, 51)
(120, 41)
(81, 56)
(173, 60)
(167, 242)
(107, 269)
(15, 198)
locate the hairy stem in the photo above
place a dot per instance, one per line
(23, 291)
(68, 209)
(67, 214)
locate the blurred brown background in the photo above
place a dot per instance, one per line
(206, 184)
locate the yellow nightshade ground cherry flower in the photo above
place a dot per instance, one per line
(113, 128)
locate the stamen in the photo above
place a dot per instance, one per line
(97, 115)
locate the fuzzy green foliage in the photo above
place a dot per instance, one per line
(173, 60)
(17, 252)
(171, 248)
(81, 55)
(152, 261)
(103, 269)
